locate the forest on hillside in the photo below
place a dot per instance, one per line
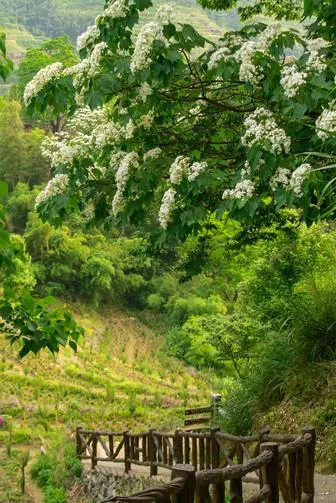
(182, 189)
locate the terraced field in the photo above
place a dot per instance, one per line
(120, 378)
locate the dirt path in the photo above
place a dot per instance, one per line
(325, 488)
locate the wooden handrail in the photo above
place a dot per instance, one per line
(285, 466)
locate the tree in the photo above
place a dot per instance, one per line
(51, 51)
(27, 320)
(59, 49)
(6, 64)
(20, 155)
(241, 128)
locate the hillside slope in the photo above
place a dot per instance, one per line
(32, 20)
(120, 378)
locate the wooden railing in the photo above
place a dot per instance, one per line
(278, 464)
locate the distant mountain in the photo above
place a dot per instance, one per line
(27, 21)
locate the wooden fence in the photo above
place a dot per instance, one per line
(204, 463)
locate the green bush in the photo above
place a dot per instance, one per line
(55, 495)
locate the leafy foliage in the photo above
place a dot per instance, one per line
(213, 135)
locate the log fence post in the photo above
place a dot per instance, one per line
(187, 495)
(309, 466)
(78, 442)
(270, 472)
(178, 447)
(219, 487)
(127, 451)
(94, 461)
(152, 453)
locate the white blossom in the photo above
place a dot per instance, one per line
(164, 14)
(116, 9)
(107, 133)
(196, 169)
(143, 45)
(89, 211)
(166, 207)
(178, 169)
(316, 62)
(147, 34)
(78, 72)
(280, 179)
(122, 176)
(56, 186)
(221, 54)
(245, 171)
(129, 129)
(152, 154)
(96, 56)
(116, 158)
(262, 128)
(146, 120)
(91, 33)
(298, 177)
(145, 91)
(195, 111)
(326, 123)
(242, 190)
(41, 79)
(249, 71)
(292, 79)
(9, 327)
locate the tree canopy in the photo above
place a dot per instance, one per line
(32, 322)
(167, 123)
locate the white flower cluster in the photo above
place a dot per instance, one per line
(326, 123)
(86, 120)
(292, 79)
(280, 179)
(78, 72)
(143, 45)
(166, 207)
(129, 129)
(62, 150)
(122, 176)
(116, 8)
(95, 57)
(145, 91)
(55, 187)
(147, 34)
(242, 190)
(178, 169)
(9, 327)
(91, 33)
(316, 62)
(293, 181)
(107, 133)
(146, 120)
(260, 128)
(196, 169)
(154, 153)
(41, 79)
(298, 177)
(182, 166)
(221, 54)
(248, 70)
(164, 14)
(88, 66)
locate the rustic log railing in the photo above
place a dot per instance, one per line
(278, 464)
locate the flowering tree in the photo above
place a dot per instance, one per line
(166, 124)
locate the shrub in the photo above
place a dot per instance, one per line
(55, 495)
